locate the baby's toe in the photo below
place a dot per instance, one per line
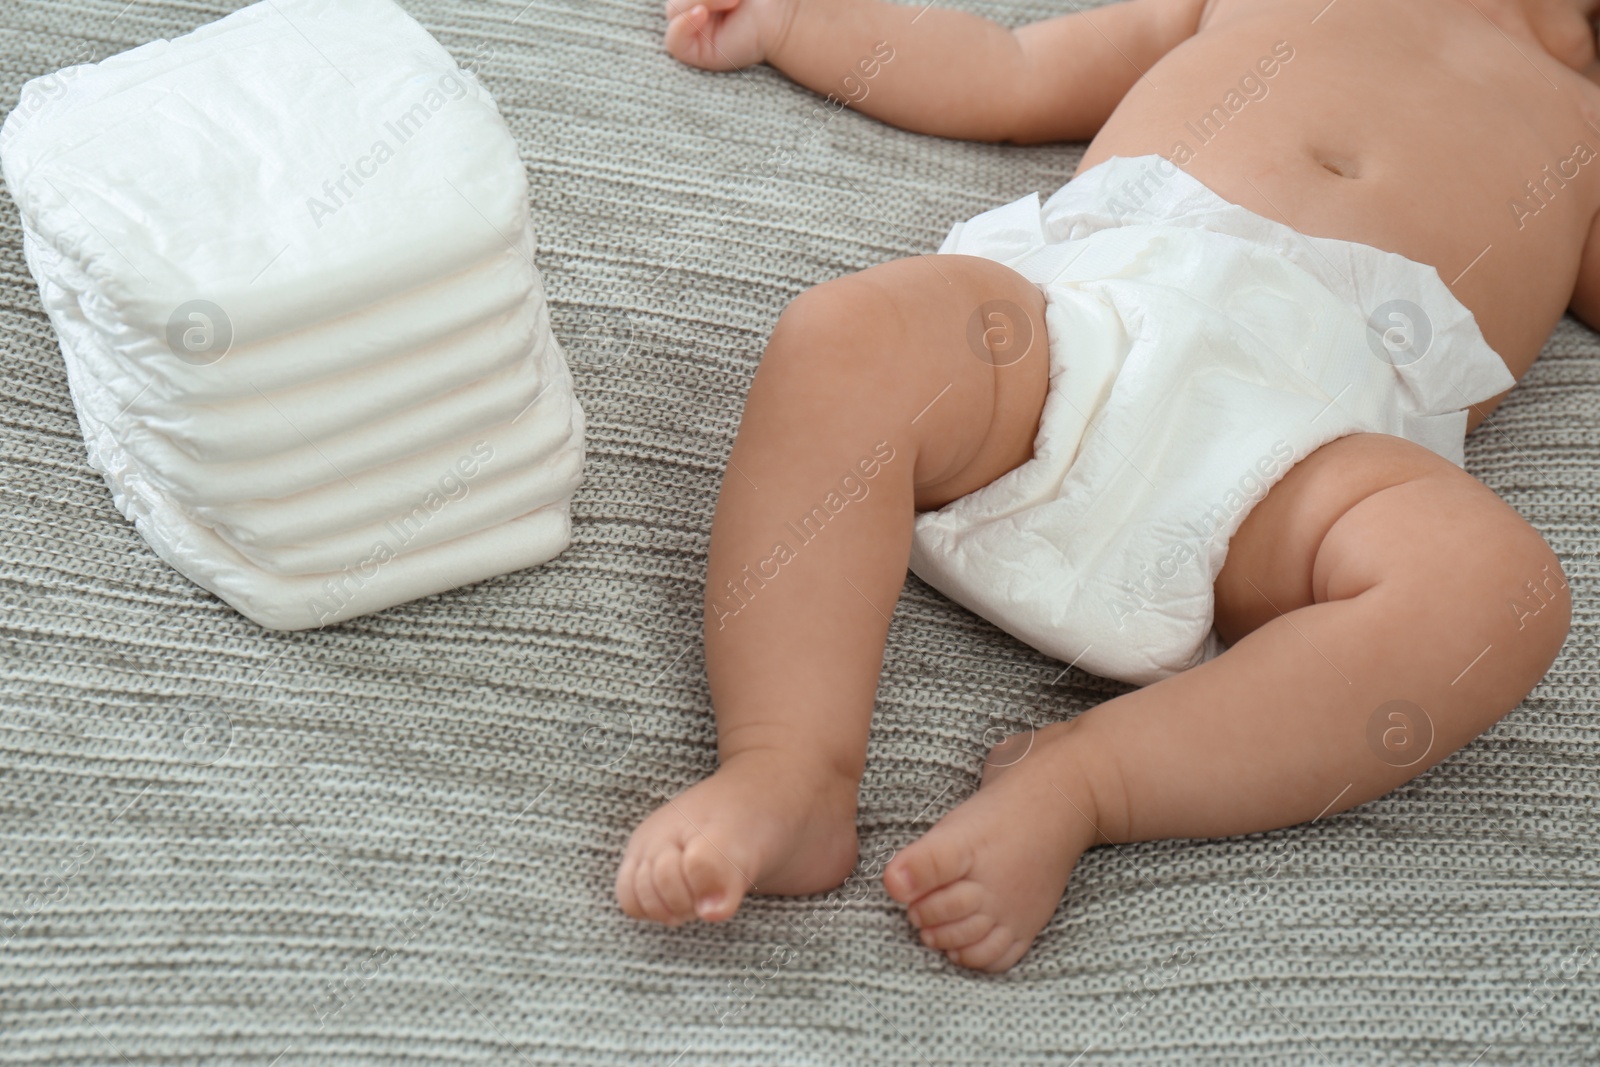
(716, 886)
(959, 934)
(1009, 960)
(989, 952)
(956, 901)
(626, 897)
(644, 888)
(672, 887)
(931, 862)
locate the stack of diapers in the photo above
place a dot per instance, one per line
(290, 262)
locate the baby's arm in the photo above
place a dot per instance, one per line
(943, 72)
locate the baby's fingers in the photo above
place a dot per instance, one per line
(700, 37)
(687, 36)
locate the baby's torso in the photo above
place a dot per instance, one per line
(1443, 130)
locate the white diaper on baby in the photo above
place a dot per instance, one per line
(290, 262)
(1197, 352)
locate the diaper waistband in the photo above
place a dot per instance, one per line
(1447, 367)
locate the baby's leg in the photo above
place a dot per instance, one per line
(1386, 606)
(869, 403)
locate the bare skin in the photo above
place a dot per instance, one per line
(1374, 571)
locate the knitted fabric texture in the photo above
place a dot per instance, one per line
(393, 840)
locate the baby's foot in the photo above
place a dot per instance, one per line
(762, 823)
(984, 881)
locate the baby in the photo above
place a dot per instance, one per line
(1195, 423)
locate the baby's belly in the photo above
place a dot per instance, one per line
(1420, 129)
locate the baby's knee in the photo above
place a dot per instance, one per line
(917, 316)
(849, 341)
(1538, 605)
(1442, 553)
(845, 323)
(908, 347)
(1500, 580)
(836, 314)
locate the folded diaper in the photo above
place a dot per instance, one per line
(485, 402)
(1197, 352)
(365, 337)
(531, 443)
(290, 263)
(265, 424)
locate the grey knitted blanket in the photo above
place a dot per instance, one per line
(393, 840)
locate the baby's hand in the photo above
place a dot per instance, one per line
(724, 34)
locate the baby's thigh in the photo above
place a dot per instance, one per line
(1271, 567)
(947, 353)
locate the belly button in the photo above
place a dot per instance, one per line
(1343, 168)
